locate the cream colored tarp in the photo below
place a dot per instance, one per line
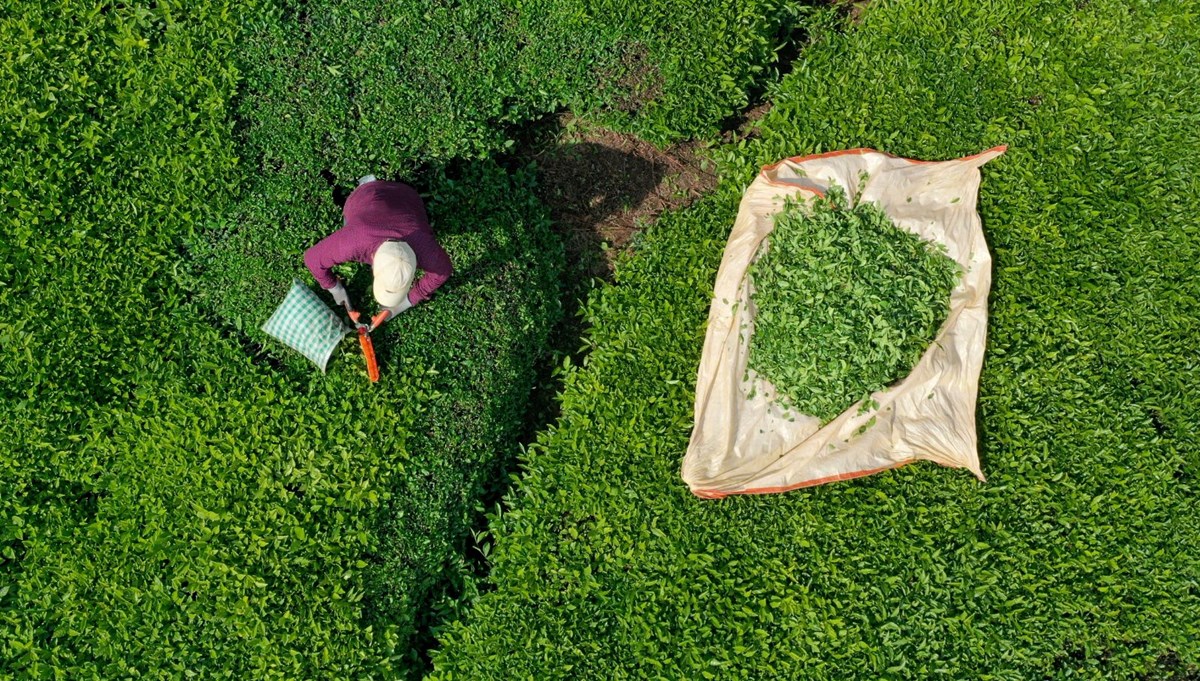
(744, 444)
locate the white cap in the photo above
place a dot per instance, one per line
(393, 267)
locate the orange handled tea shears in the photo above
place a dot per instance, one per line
(368, 347)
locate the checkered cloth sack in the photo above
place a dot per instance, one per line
(305, 324)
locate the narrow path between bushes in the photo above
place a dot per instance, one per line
(602, 188)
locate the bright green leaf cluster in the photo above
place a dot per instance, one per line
(845, 303)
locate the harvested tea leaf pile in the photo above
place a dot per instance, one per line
(847, 303)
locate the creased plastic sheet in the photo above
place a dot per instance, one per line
(742, 443)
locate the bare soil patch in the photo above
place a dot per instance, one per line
(602, 186)
(852, 8)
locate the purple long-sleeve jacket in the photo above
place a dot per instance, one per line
(376, 212)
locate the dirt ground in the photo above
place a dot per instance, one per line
(853, 8)
(602, 186)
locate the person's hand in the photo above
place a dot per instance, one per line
(340, 296)
(389, 312)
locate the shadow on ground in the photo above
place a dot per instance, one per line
(602, 187)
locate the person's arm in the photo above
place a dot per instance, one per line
(435, 263)
(333, 250)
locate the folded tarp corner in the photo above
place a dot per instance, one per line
(742, 442)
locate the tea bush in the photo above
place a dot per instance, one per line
(673, 69)
(476, 344)
(335, 90)
(211, 521)
(115, 134)
(1078, 557)
(169, 504)
(390, 85)
(163, 511)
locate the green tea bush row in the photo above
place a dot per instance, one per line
(477, 344)
(171, 505)
(389, 85)
(215, 521)
(1078, 556)
(846, 303)
(161, 513)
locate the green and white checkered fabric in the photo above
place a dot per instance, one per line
(305, 324)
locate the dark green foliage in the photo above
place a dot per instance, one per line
(672, 69)
(163, 511)
(1078, 557)
(173, 506)
(846, 302)
(241, 265)
(385, 85)
(169, 507)
(334, 90)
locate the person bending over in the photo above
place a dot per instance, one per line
(387, 228)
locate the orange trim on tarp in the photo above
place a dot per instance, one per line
(866, 150)
(717, 494)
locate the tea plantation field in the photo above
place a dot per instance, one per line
(182, 498)
(1077, 559)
